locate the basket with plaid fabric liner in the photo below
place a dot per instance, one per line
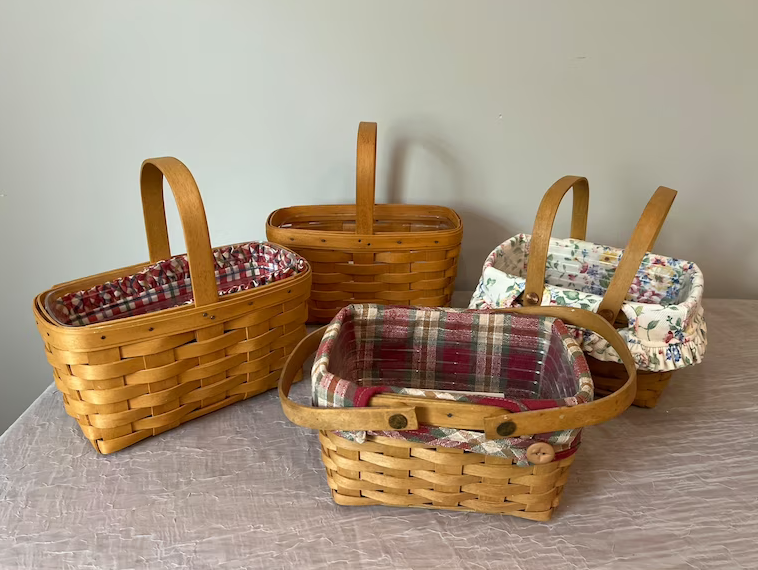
(452, 409)
(143, 349)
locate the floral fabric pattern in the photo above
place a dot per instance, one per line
(666, 329)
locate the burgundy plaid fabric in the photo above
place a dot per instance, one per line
(530, 362)
(168, 284)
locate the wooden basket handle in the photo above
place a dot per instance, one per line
(495, 422)
(642, 241)
(194, 224)
(365, 179)
(543, 229)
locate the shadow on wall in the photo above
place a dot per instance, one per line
(482, 232)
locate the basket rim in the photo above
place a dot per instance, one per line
(338, 211)
(329, 239)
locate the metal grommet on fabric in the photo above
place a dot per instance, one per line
(506, 428)
(532, 298)
(607, 314)
(540, 453)
(398, 421)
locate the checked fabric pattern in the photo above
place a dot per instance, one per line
(168, 284)
(534, 362)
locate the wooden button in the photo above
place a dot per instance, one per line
(540, 453)
(532, 298)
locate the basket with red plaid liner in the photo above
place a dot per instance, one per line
(452, 409)
(140, 350)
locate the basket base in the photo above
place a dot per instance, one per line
(610, 376)
(399, 473)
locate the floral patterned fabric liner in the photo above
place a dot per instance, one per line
(534, 362)
(666, 329)
(168, 284)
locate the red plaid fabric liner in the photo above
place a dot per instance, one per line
(168, 284)
(531, 362)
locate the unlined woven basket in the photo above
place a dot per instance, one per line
(372, 253)
(127, 379)
(635, 290)
(396, 471)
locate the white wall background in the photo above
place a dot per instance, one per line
(481, 106)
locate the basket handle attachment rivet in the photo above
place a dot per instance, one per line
(398, 421)
(607, 314)
(532, 298)
(506, 428)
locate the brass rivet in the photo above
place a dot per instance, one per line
(607, 314)
(103, 337)
(506, 428)
(205, 314)
(151, 329)
(213, 317)
(532, 298)
(398, 421)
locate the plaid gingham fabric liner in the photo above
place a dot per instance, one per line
(533, 361)
(168, 284)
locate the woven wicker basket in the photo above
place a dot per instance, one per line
(127, 379)
(620, 280)
(366, 253)
(398, 472)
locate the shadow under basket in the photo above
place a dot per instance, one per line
(610, 376)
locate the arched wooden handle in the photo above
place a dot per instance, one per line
(543, 229)
(642, 241)
(466, 416)
(194, 224)
(365, 179)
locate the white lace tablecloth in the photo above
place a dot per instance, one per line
(673, 487)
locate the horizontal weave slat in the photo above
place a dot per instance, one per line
(488, 484)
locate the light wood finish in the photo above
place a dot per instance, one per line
(609, 376)
(398, 473)
(606, 375)
(402, 473)
(543, 229)
(131, 378)
(642, 241)
(372, 253)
